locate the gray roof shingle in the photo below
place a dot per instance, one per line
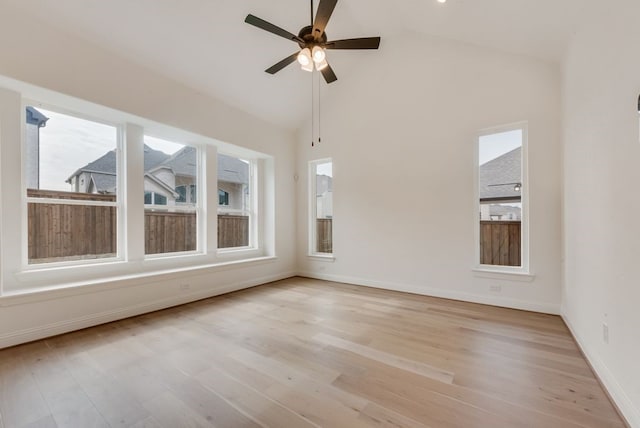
(497, 173)
(183, 162)
(107, 163)
(232, 170)
(104, 182)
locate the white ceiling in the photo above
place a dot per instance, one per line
(206, 45)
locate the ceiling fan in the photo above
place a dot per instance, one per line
(312, 40)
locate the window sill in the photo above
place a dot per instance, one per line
(239, 252)
(35, 294)
(496, 273)
(322, 257)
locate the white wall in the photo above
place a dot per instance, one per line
(602, 202)
(33, 52)
(404, 123)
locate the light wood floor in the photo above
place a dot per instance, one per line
(306, 353)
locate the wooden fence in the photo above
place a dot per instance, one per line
(233, 231)
(58, 231)
(324, 235)
(63, 231)
(169, 232)
(500, 243)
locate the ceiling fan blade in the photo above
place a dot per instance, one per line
(325, 9)
(362, 43)
(282, 64)
(267, 26)
(328, 74)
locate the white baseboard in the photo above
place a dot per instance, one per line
(616, 393)
(65, 326)
(547, 308)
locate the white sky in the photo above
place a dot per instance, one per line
(325, 169)
(495, 145)
(163, 145)
(68, 143)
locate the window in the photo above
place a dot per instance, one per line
(223, 197)
(236, 200)
(171, 175)
(71, 173)
(321, 207)
(182, 194)
(501, 201)
(187, 193)
(153, 198)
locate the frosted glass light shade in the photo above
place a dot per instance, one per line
(304, 57)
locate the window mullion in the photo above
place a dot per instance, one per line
(133, 183)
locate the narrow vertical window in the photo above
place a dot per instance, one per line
(321, 207)
(235, 202)
(501, 208)
(171, 177)
(71, 176)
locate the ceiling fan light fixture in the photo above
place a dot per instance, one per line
(318, 54)
(322, 65)
(312, 41)
(304, 58)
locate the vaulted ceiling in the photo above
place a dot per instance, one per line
(206, 45)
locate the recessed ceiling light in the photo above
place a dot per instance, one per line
(442, 1)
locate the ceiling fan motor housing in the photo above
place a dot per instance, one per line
(306, 34)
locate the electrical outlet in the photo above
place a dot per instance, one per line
(185, 287)
(495, 288)
(605, 333)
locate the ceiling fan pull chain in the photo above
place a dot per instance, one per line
(313, 115)
(319, 113)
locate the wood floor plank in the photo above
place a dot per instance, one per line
(266, 411)
(308, 353)
(171, 412)
(212, 407)
(45, 422)
(379, 416)
(389, 359)
(21, 402)
(149, 422)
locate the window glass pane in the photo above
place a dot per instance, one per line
(148, 197)
(159, 199)
(234, 195)
(223, 197)
(170, 217)
(69, 158)
(182, 194)
(193, 193)
(500, 205)
(324, 207)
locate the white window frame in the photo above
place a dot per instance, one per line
(312, 217)
(70, 277)
(524, 227)
(118, 204)
(252, 211)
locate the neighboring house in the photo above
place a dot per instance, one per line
(168, 179)
(500, 187)
(324, 196)
(34, 121)
(233, 183)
